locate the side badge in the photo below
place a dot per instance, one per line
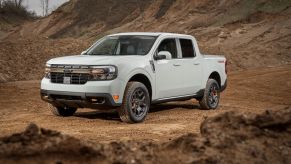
(153, 66)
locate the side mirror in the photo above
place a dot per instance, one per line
(163, 55)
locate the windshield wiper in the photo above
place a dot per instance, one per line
(99, 54)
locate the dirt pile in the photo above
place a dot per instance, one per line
(259, 138)
(230, 137)
(37, 141)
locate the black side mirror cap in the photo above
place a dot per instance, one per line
(160, 57)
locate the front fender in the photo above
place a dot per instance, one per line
(139, 71)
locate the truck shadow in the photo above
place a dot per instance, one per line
(113, 115)
(171, 106)
(103, 115)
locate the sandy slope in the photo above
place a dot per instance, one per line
(249, 33)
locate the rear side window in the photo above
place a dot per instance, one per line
(170, 46)
(187, 48)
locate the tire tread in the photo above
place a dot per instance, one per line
(204, 101)
(123, 111)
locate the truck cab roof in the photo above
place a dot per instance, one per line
(152, 34)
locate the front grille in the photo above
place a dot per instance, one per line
(75, 78)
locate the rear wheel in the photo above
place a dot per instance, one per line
(136, 103)
(62, 111)
(211, 95)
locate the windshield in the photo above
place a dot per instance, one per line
(123, 45)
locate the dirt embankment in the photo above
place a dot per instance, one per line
(230, 137)
(249, 33)
(24, 59)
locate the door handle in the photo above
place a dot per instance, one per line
(196, 63)
(176, 65)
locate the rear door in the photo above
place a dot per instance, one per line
(191, 72)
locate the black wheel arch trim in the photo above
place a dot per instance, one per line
(223, 87)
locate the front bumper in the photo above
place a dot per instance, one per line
(79, 100)
(113, 87)
(80, 96)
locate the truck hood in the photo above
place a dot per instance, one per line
(91, 60)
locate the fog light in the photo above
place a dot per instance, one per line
(94, 100)
(97, 100)
(45, 97)
(115, 97)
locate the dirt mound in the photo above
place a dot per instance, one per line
(239, 138)
(230, 137)
(247, 137)
(39, 141)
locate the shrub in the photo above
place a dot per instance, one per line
(11, 8)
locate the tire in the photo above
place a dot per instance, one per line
(135, 104)
(62, 111)
(211, 95)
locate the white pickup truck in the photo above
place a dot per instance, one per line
(131, 71)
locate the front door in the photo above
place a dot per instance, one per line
(168, 72)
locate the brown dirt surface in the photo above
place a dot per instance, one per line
(248, 91)
(230, 137)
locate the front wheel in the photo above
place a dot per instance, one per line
(62, 111)
(211, 95)
(135, 104)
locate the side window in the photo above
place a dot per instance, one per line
(187, 48)
(170, 46)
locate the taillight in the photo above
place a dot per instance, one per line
(225, 67)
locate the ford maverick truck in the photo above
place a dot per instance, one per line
(130, 71)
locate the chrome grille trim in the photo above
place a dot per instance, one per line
(78, 74)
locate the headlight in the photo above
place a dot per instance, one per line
(103, 72)
(47, 73)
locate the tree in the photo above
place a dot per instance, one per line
(45, 7)
(18, 3)
(42, 6)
